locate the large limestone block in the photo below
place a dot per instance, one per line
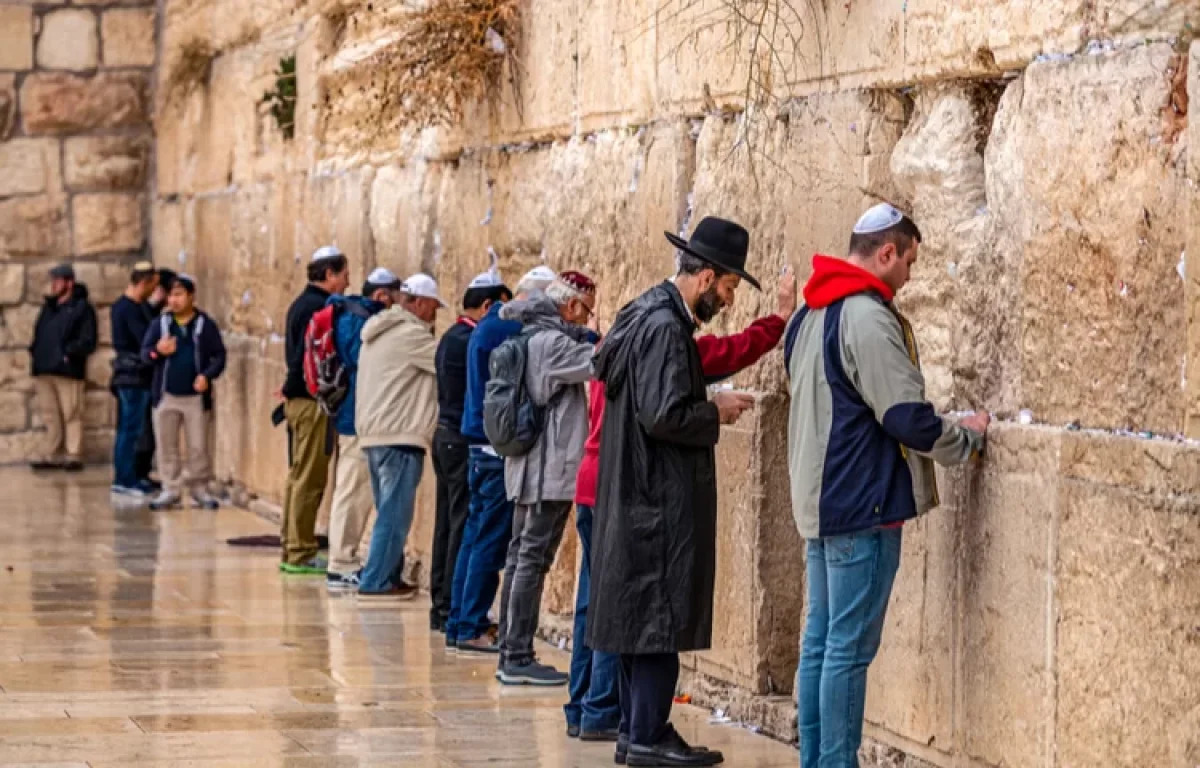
(128, 37)
(548, 50)
(616, 63)
(210, 262)
(29, 167)
(18, 447)
(167, 235)
(249, 448)
(16, 37)
(1085, 188)
(1006, 675)
(960, 295)
(106, 282)
(99, 409)
(1128, 583)
(60, 103)
(104, 163)
(34, 228)
(69, 40)
(8, 105)
(14, 412)
(335, 210)
(99, 367)
(225, 125)
(17, 324)
(403, 215)
(12, 283)
(107, 222)
(15, 367)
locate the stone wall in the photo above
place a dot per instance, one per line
(1045, 615)
(76, 152)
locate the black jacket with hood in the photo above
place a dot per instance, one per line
(654, 547)
(64, 337)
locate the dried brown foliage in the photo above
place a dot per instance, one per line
(189, 71)
(446, 59)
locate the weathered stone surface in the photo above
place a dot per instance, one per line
(18, 447)
(1128, 598)
(14, 371)
(402, 212)
(12, 283)
(99, 367)
(1086, 193)
(105, 282)
(128, 37)
(34, 227)
(69, 39)
(99, 409)
(616, 49)
(103, 163)
(29, 167)
(249, 448)
(14, 411)
(8, 105)
(17, 324)
(59, 103)
(107, 222)
(16, 37)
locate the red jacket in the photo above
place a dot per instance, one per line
(719, 356)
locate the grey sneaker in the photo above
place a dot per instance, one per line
(205, 500)
(341, 582)
(166, 500)
(532, 673)
(128, 491)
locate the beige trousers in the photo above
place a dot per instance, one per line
(352, 505)
(187, 413)
(61, 402)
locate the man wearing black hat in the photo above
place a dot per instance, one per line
(64, 337)
(654, 549)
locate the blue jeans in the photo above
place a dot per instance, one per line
(849, 582)
(483, 550)
(395, 473)
(132, 406)
(595, 704)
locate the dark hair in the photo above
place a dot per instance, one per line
(694, 265)
(138, 275)
(901, 234)
(319, 270)
(183, 283)
(166, 277)
(474, 297)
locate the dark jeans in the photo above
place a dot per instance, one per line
(483, 549)
(595, 704)
(395, 474)
(536, 534)
(450, 460)
(132, 407)
(648, 683)
(143, 460)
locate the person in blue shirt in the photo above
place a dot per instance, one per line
(351, 508)
(484, 547)
(188, 354)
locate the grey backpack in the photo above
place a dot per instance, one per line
(511, 420)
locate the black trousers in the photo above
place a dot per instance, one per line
(143, 457)
(647, 686)
(450, 461)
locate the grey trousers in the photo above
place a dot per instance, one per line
(535, 539)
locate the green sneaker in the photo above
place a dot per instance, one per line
(315, 567)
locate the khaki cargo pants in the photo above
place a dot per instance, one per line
(308, 472)
(60, 401)
(172, 414)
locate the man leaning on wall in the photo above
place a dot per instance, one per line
(309, 436)
(862, 440)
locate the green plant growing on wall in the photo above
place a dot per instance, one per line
(282, 99)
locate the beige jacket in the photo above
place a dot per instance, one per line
(396, 393)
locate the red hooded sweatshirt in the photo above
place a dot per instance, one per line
(719, 356)
(833, 279)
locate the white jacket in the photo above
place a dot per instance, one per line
(396, 392)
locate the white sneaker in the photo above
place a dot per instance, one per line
(123, 490)
(205, 500)
(165, 500)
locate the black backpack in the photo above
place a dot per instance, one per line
(511, 420)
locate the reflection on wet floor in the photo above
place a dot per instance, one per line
(136, 638)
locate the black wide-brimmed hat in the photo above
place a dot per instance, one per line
(721, 243)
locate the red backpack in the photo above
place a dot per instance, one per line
(325, 373)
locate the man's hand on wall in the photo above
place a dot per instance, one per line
(977, 422)
(731, 404)
(785, 296)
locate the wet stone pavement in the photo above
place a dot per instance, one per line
(129, 637)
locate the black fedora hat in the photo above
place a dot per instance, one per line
(721, 243)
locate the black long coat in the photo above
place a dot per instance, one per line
(654, 543)
(64, 336)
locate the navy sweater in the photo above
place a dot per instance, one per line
(491, 333)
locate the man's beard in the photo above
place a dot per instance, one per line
(708, 305)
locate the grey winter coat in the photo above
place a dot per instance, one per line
(557, 370)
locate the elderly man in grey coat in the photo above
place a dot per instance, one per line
(541, 483)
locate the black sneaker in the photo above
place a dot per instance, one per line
(45, 466)
(532, 673)
(341, 582)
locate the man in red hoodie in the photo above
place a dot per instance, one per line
(593, 713)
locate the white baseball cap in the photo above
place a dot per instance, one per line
(877, 219)
(424, 286)
(383, 278)
(541, 273)
(326, 252)
(489, 279)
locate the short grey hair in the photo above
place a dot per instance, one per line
(560, 293)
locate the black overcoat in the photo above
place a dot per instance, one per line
(654, 544)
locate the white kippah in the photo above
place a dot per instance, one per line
(487, 279)
(381, 276)
(326, 252)
(877, 219)
(540, 273)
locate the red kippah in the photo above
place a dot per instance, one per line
(578, 281)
